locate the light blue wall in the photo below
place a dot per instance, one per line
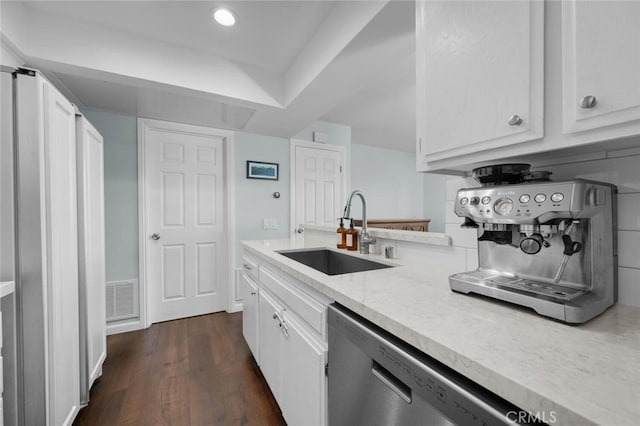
(254, 198)
(394, 189)
(389, 181)
(434, 207)
(120, 191)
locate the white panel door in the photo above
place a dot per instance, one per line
(601, 42)
(62, 257)
(184, 188)
(91, 250)
(319, 183)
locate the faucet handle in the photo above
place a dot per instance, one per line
(366, 238)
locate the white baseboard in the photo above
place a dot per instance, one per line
(124, 326)
(235, 301)
(236, 307)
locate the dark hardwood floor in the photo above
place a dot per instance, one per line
(193, 371)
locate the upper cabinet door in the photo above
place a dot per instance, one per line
(479, 76)
(601, 63)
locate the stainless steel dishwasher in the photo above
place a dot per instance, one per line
(376, 379)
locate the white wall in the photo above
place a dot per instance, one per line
(462, 238)
(8, 55)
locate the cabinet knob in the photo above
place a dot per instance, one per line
(588, 102)
(515, 120)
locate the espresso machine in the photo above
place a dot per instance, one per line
(549, 246)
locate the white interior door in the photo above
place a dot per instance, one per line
(318, 180)
(184, 209)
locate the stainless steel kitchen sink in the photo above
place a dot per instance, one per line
(331, 262)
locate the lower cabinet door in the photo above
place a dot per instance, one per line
(271, 345)
(250, 313)
(304, 380)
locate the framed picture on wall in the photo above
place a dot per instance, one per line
(262, 170)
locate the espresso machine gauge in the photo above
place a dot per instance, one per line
(503, 206)
(546, 245)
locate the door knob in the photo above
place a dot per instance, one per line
(155, 236)
(300, 230)
(588, 102)
(515, 120)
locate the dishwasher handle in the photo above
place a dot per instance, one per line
(391, 381)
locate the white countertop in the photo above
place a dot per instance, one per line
(587, 374)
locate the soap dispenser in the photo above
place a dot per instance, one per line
(342, 235)
(352, 238)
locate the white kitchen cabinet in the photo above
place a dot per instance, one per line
(271, 346)
(291, 340)
(467, 53)
(250, 291)
(479, 76)
(293, 364)
(47, 253)
(91, 255)
(601, 62)
(304, 380)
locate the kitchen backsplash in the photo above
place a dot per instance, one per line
(621, 168)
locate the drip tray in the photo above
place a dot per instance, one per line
(494, 279)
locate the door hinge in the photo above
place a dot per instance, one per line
(326, 369)
(26, 71)
(340, 168)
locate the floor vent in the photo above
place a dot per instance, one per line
(122, 300)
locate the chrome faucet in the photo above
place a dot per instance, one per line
(365, 239)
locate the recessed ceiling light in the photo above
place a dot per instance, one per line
(224, 17)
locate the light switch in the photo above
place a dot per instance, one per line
(269, 223)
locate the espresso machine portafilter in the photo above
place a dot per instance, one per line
(549, 246)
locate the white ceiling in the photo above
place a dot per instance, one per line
(268, 34)
(286, 63)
